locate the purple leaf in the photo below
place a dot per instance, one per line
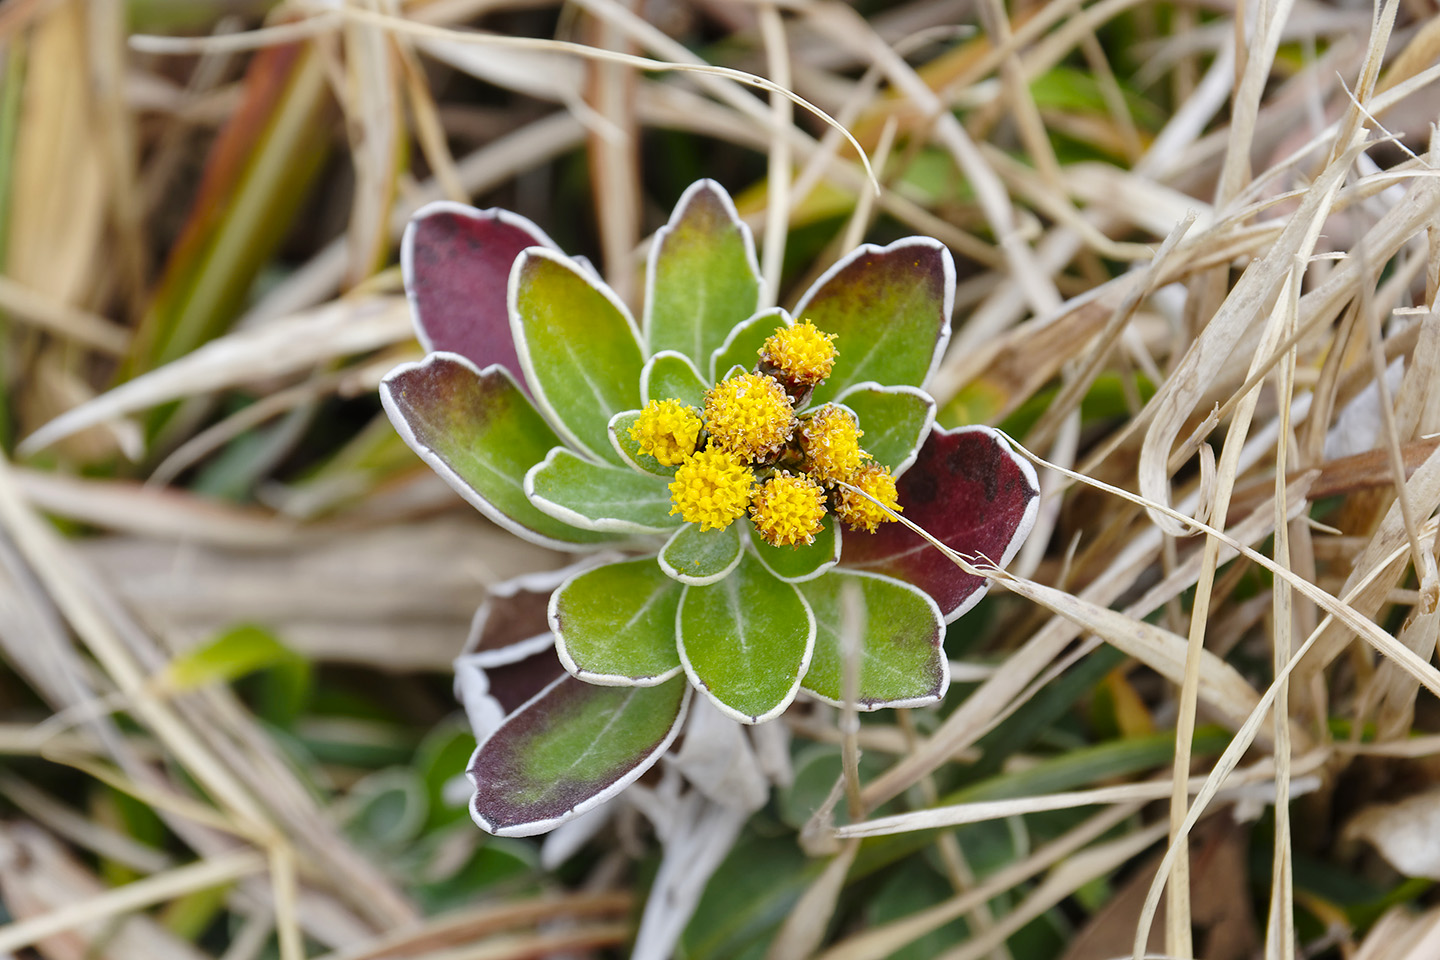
(970, 492)
(569, 749)
(456, 260)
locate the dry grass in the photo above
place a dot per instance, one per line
(1198, 267)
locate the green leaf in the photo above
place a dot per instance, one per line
(746, 641)
(670, 375)
(481, 435)
(594, 496)
(890, 310)
(702, 277)
(234, 653)
(615, 624)
(629, 450)
(801, 562)
(895, 420)
(568, 750)
(902, 660)
(701, 557)
(742, 346)
(577, 345)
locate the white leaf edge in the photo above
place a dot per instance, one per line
(725, 708)
(534, 827)
(658, 244)
(871, 385)
(562, 649)
(566, 515)
(407, 248)
(743, 326)
(648, 370)
(819, 571)
(947, 307)
(630, 461)
(939, 654)
(675, 574)
(442, 469)
(522, 344)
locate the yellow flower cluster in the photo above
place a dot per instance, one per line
(801, 354)
(667, 430)
(787, 470)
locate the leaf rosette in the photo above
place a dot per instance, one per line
(716, 448)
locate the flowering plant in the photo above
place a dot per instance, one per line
(720, 448)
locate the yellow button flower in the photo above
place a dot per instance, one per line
(788, 510)
(860, 512)
(711, 489)
(666, 430)
(831, 441)
(801, 354)
(749, 416)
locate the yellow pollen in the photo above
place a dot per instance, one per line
(831, 441)
(749, 416)
(711, 489)
(788, 510)
(802, 353)
(861, 513)
(666, 430)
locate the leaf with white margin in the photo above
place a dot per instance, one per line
(671, 376)
(577, 345)
(895, 421)
(479, 432)
(456, 262)
(746, 641)
(890, 310)
(615, 625)
(629, 450)
(569, 749)
(701, 557)
(594, 496)
(804, 561)
(901, 653)
(702, 277)
(971, 492)
(742, 346)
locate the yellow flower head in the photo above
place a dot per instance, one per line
(788, 510)
(831, 441)
(711, 489)
(859, 512)
(749, 416)
(666, 430)
(801, 354)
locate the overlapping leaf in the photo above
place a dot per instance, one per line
(970, 492)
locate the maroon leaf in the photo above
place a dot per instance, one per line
(456, 261)
(569, 749)
(970, 492)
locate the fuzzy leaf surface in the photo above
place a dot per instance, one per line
(890, 309)
(701, 556)
(902, 662)
(456, 261)
(615, 624)
(702, 278)
(970, 492)
(746, 641)
(742, 345)
(569, 749)
(672, 376)
(577, 347)
(802, 561)
(481, 434)
(896, 421)
(629, 450)
(595, 496)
